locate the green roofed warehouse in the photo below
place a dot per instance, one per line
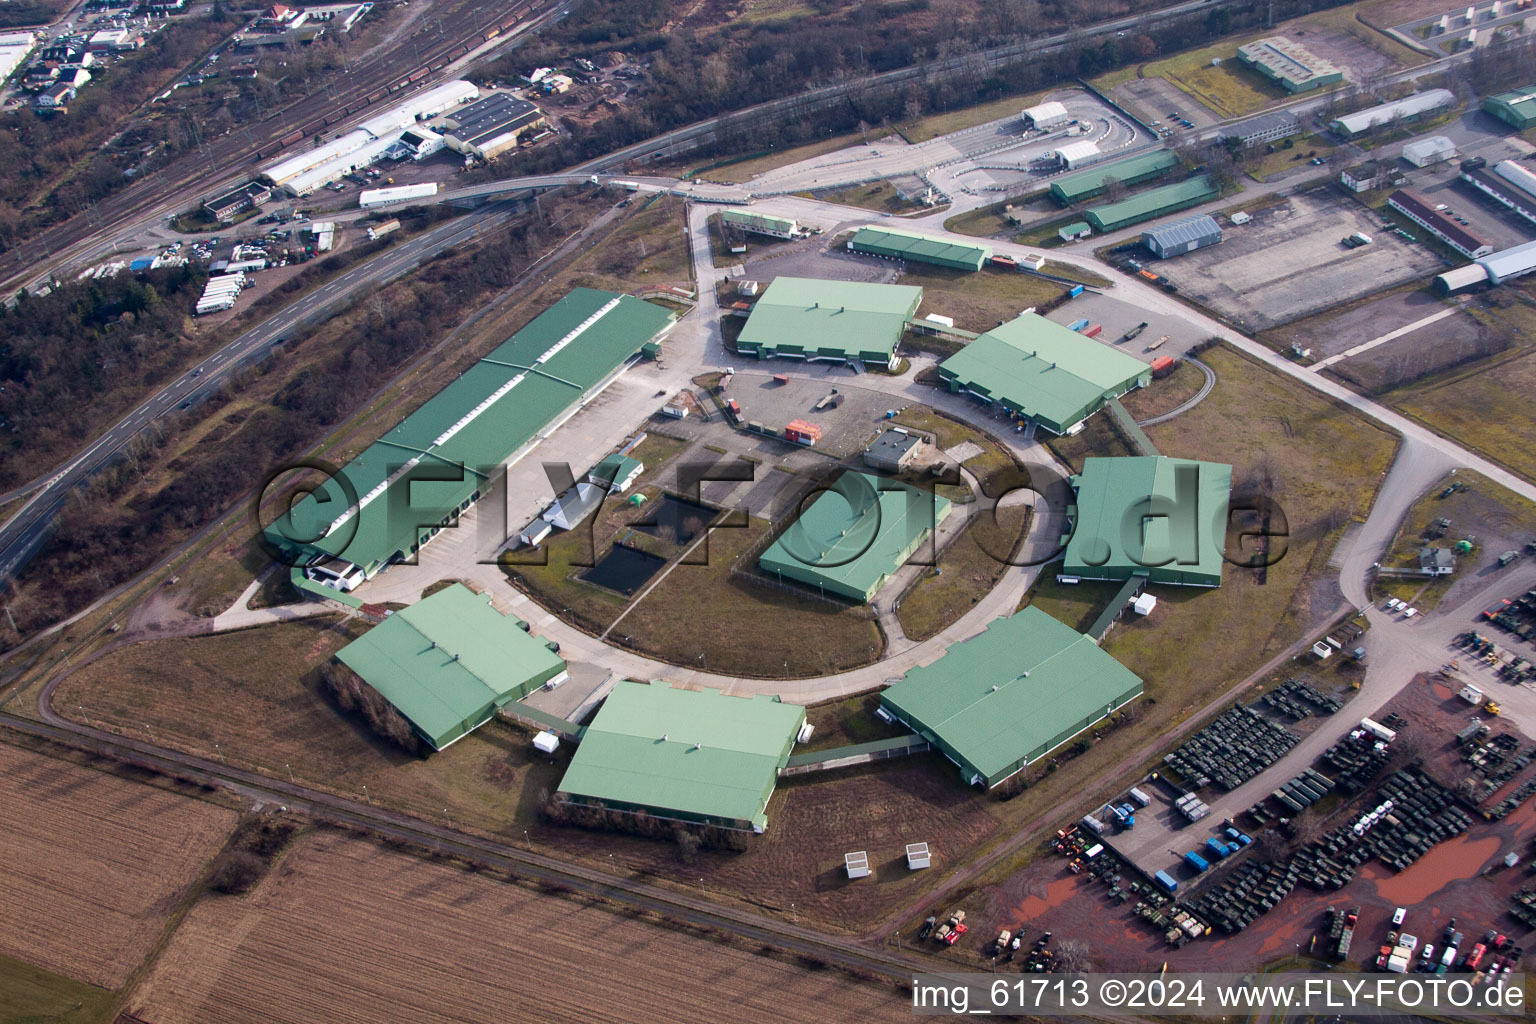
(1152, 516)
(698, 756)
(841, 321)
(1042, 372)
(904, 245)
(1157, 202)
(1074, 188)
(1005, 698)
(761, 223)
(436, 462)
(1516, 108)
(447, 662)
(855, 535)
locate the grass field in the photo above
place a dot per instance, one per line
(1264, 165)
(1166, 394)
(1229, 89)
(934, 125)
(31, 995)
(348, 930)
(96, 866)
(967, 569)
(880, 196)
(746, 170)
(978, 300)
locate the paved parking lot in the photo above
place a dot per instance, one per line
(1288, 261)
(1118, 316)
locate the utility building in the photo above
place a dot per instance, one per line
(1158, 202)
(1076, 188)
(1266, 128)
(696, 756)
(837, 321)
(1073, 155)
(1045, 115)
(1436, 149)
(1516, 108)
(855, 535)
(1182, 236)
(1152, 516)
(761, 224)
(904, 245)
(1006, 698)
(490, 126)
(1289, 63)
(1043, 373)
(449, 661)
(434, 464)
(894, 450)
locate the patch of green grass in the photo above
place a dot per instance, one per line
(1229, 89)
(31, 995)
(750, 167)
(934, 125)
(1266, 165)
(880, 196)
(843, 723)
(978, 300)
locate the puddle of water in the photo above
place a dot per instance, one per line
(624, 570)
(675, 519)
(1453, 860)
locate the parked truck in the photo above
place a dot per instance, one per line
(1167, 881)
(1196, 861)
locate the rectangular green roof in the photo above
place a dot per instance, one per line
(855, 534)
(614, 467)
(1130, 171)
(1041, 370)
(805, 317)
(1133, 512)
(470, 427)
(449, 661)
(759, 222)
(906, 245)
(699, 755)
(1516, 107)
(1153, 203)
(1010, 695)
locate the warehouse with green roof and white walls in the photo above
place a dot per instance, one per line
(425, 472)
(1043, 373)
(834, 321)
(914, 248)
(1003, 699)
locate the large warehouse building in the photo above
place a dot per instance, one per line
(1421, 212)
(687, 755)
(1007, 697)
(447, 662)
(1409, 108)
(1044, 373)
(1294, 66)
(1516, 108)
(1436, 149)
(914, 248)
(1495, 268)
(1507, 183)
(1182, 236)
(490, 126)
(855, 535)
(1046, 115)
(436, 462)
(1157, 202)
(1076, 188)
(1153, 516)
(839, 321)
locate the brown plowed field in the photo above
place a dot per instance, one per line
(94, 864)
(347, 931)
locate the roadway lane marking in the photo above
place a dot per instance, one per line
(1389, 336)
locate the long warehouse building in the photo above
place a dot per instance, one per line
(1286, 61)
(435, 463)
(1004, 699)
(914, 248)
(1076, 188)
(1157, 202)
(1516, 108)
(1507, 183)
(1495, 268)
(1409, 108)
(834, 321)
(1419, 210)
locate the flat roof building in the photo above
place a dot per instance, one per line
(841, 321)
(914, 248)
(1075, 188)
(1182, 236)
(447, 662)
(237, 200)
(1270, 127)
(1157, 202)
(894, 450)
(1152, 516)
(435, 463)
(1415, 208)
(761, 223)
(1007, 697)
(1289, 63)
(689, 755)
(490, 126)
(1406, 109)
(855, 535)
(1516, 108)
(1042, 372)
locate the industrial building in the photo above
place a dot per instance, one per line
(1151, 516)
(15, 48)
(237, 200)
(1182, 236)
(687, 755)
(914, 248)
(1073, 155)
(1436, 149)
(1046, 115)
(1266, 128)
(374, 198)
(894, 450)
(614, 473)
(1409, 108)
(839, 321)
(1415, 208)
(1006, 698)
(1289, 63)
(435, 463)
(1084, 185)
(300, 173)
(447, 662)
(855, 535)
(1516, 108)
(1043, 373)
(761, 224)
(1507, 183)
(1157, 202)
(488, 127)
(1495, 268)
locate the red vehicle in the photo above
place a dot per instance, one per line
(954, 934)
(1476, 956)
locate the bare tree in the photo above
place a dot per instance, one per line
(1073, 957)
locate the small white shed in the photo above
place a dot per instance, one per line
(917, 856)
(546, 742)
(857, 864)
